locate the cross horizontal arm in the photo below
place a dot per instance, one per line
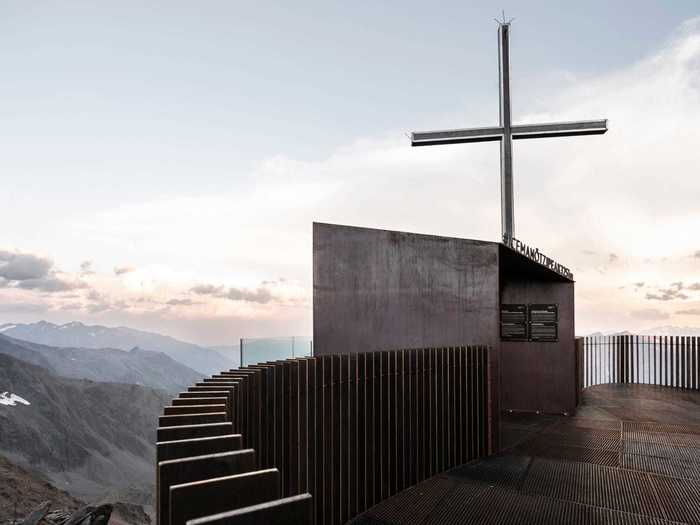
(560, 129)
(523, 131)
(456, 136)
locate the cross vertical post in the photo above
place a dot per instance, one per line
(507, 205)
(506, 132)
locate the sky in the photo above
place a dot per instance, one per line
(162, 164)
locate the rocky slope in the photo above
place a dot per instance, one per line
(22, 491)
(88, 438)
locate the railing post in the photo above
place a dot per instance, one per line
(695, 363)
(618, 354)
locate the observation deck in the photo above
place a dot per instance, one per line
(630, 455)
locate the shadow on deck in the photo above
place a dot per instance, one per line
(630, 455)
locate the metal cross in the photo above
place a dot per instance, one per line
(505, 132)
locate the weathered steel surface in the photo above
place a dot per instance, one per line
(194, 431)
(294, 510)
(344, 428)
(203, 400)
(193, 409)
(198, 468)
(539, 375)
(192, 419)
(631, 455)
(379, 289)
(204, 498)
(199, 446)
(384, 289)
(422, 291)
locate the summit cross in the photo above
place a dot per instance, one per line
(505, 132)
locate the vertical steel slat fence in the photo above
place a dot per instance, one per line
(349, 430)
(355, 429)
(640, 359)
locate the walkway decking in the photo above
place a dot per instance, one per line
(630, 456)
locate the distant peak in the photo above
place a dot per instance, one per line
(44, 324)
(72, 324)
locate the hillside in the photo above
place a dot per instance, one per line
(79, 335)
(141, 367)
(22, 491)
(90, 439)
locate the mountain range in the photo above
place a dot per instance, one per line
(78, 335)
(659, 330)
(136, 366)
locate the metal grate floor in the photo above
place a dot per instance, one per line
(627, 458)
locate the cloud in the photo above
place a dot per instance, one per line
(649, 314)
(96, 308)
(121, 270)
(71, 306)
(23, 266)
(145, 300)
(94, 295)
(86, 268)
(668, 294)
(23, 308)
(102, 303)
(674, 291)
(181, 302)
(207, 289)
(50, 284)
(690, 311)
(27, 271)
(261, 295)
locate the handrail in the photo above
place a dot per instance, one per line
(672, 361)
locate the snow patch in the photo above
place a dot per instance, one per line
(8, 327)
(11, 400)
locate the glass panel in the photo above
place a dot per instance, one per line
(260, 350)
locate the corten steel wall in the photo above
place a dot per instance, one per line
(655, 360)
(540, 376)
(384, 289)
(354, 429)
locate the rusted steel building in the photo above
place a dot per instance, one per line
(384, 289)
